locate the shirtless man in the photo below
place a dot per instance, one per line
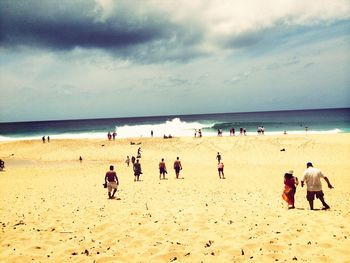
(177, 167)
(112, 182)
(162, 169)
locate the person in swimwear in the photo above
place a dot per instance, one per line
(162, 169)
(112, 182)
(177, 167)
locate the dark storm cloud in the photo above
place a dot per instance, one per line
(65, 25)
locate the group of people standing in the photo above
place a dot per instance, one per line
(111, 136)
(44, 139)
(312, 178)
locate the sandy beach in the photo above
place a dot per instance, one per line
(54, 208)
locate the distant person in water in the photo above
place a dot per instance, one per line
(290, 187)
(218, 157)
(200, 133)
(312, 177)
(221, 170)
(112, 182)
(137, 170)
(162, 169)
(152, 133)
(177, 167)
(127, 161)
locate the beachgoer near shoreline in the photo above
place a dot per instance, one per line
(109, 136)
(240, 131)
(218, 157)
(152, 133)
(137, 170)
(162, 169)
(2, 165)
(114, 134)
(200, 133)
(139, 152)
(127, 161)
(43, 139)
(290, 187)
(312, 177)
(80, 158)
(112, 182)
(195, 133)
(48, 138)
(221, 170)
(177, 167)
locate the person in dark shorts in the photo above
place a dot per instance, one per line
(218, 157)
(177, 167)
(137, 170)
(312, 177)
(112, 182)
(221, 170)
(162, 169)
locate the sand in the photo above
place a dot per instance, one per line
(54, 208)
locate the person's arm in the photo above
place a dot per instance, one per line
(106, 178)
(116, 178)
(329, 184)
(296, 180)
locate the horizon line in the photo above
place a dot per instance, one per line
(172, 115)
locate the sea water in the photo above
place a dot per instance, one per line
(274, 122)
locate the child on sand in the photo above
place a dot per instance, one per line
(290, 186)
(127, 161)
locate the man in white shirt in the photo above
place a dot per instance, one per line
(312, 177)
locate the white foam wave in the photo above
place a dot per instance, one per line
(174, 127)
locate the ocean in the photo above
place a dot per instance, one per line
(274, 122)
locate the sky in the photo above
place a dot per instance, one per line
(64, 59)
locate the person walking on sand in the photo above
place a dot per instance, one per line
(221, 170)
(127, 161)
(290, 186)
(133, 160)
(218, 157)
(177, 167)
(139, 152)
(43, 139)
(312, 177)
(162, 169)
(111, 179)
(137, 170)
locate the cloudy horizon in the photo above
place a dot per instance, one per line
(104, 58)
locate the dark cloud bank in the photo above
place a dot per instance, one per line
(66, 25)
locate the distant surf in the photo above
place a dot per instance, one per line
(325, 121)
